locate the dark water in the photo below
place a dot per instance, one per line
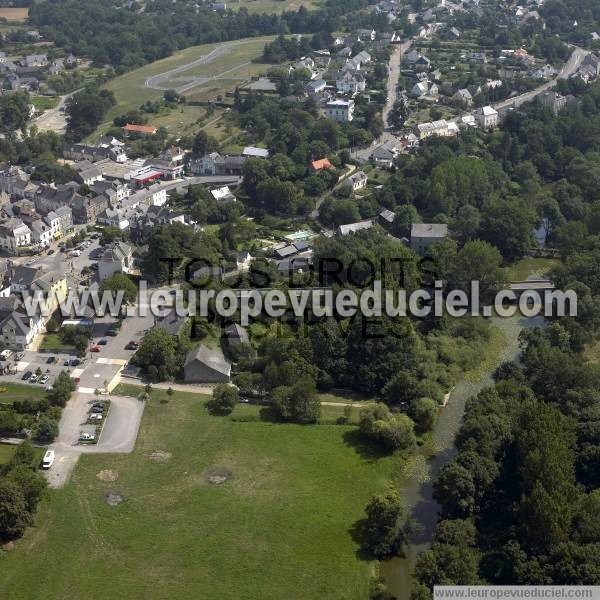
(416, 484)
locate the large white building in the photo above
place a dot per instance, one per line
(14, 234)
(340, 111)
(486, 117)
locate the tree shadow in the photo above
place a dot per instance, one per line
(358, 533)
(363, 447)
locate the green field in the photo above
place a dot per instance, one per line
(6, 452)
(15, 391)
(278, 528)
(130, 91)
(273, 6)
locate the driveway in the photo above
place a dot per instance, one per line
(118, 436)
(54, 119)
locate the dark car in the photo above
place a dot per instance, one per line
(111, 333)
(50, 360)
(27, 375)
(50, 252)
(102, 342)
(74, 362)
(131, 346)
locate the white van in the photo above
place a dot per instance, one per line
(48, 459)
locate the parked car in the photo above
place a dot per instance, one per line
(43, 379)
(97, 409)
(86, 437)
(74, 362)
(50, 252)
(102, 342)
(131, 346)
(111, 333)
(75, 253)
(50, 360)
(30, 262)
(95, 349)
(27, 375)
(19, 355)
(96, 416)
(66, 363)
(33, 378)
(48, 459)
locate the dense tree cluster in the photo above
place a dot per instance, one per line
(522, 493)
(21, 488)
(124, 37)
(85, 111)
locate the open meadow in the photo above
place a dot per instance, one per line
(131, 90)
(273, 6)
(157, 524)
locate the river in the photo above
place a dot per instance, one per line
(416, 484)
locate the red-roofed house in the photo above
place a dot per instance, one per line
(143, 129)
(319, 165)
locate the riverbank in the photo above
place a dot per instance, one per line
(420, 471)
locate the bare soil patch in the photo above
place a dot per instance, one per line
(160, 456)
(107, 475)
(217, 476)
(113, 499)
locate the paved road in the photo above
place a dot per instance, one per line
(569, 68)
(99, 370)
(119, 434)
(393, 78)
(166, 80)
(364, 154)
(54, 119)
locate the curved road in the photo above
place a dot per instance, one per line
(156, 82)
(568, 69)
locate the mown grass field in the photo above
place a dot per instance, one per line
(9, 392)
(130, 91)
(278, 528)
(273, 6)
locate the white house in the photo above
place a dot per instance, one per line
(14, 234)
(41, 233)
(117, 258)
(386, 153)
(486, 117)
(350, 83)
(223, 195)
(423, 235)
(341, 111)
(111, 217)
(424, 89)
(356, 181)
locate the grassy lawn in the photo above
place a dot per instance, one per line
(278, 528)
(274, 6)
(14, 391)
(53, 343)
(6, 452)
(531, 267)
(42, 103)
(130, 91)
